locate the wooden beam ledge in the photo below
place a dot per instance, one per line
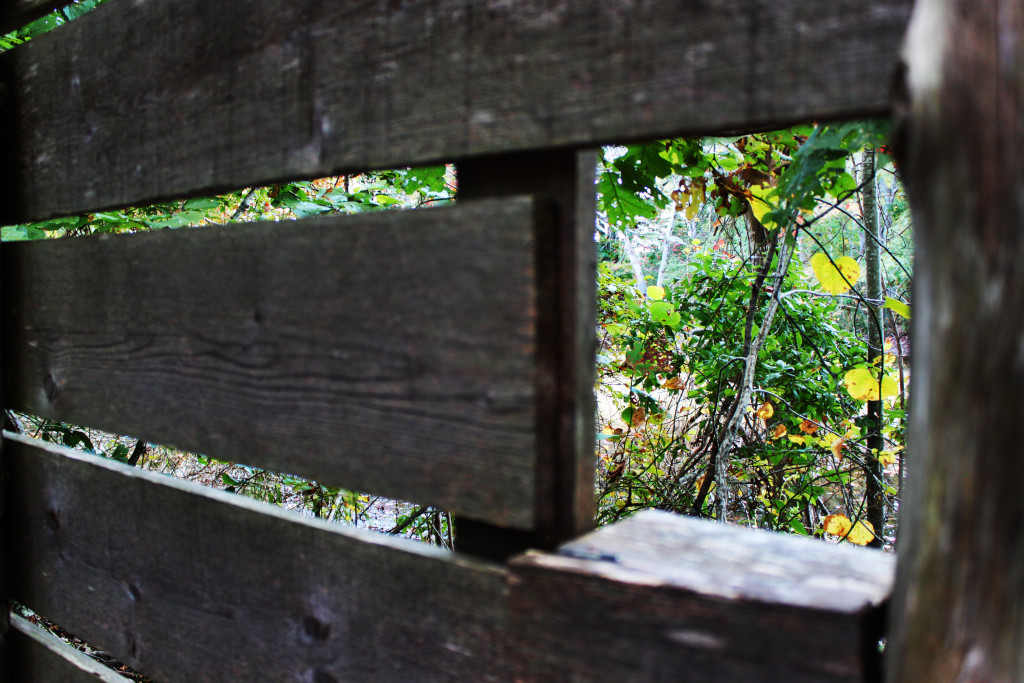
(661, 597)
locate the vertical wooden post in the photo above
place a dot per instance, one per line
(959, 604)
(566, 264)
(4, 555)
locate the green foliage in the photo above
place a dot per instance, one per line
(298, 199)
(674, 376)
(672, 365)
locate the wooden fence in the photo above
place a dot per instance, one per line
(459, 340)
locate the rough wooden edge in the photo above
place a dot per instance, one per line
(37, 653)
(659, 591)
(128, 573)
(726, 562)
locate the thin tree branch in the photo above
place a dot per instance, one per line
(399, 528)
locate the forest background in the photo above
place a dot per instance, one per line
(753, 358)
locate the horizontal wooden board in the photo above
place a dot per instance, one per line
(185, 583)
(16, 13)
(392, 353)
(666, 598)
(40, 657)
(226, 94)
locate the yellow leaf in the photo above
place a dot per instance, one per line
(674, 383)
(796, 439)
(886, 458)
(690, 199)
(835, 279)
(863, 385)
(840, 525)
(888, 358)
(862, 533)
(691, 210)
(766, 410)
(778, 432)
(655, 293)
(837, 524)
(761, 204)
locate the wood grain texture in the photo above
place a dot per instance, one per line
(393, 353)
(4, 555)
(666, 598)
(40, 657)
(185, 583)
(17, 13)
(223, 95)
(959, 605)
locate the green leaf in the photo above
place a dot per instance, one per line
(21, 233)
(798, 526)
(897, 306)
(661, 311)
(179, 220)
(109, 216)
(202, 204)
(843, 185)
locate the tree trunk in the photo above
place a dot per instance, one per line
(634, 261)
(875, 487)
(959, 603)
(752, 346)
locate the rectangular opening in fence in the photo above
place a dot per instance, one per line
(737, 308)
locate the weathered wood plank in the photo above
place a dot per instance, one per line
(39, 657)
(566, 342)
(393, 353)
(16, 13)
(959, 605)
(227, 94)
(185, 583)
(4, 555)
(666, 598)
